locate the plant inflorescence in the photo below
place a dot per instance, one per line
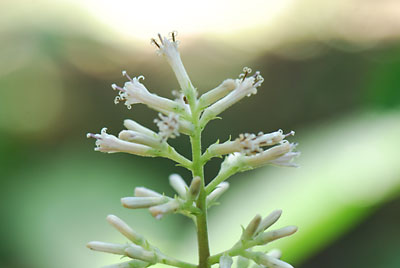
(188, 114)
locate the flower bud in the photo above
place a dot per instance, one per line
(250, 230)
(217, 93)
(159, 211)
(194, 188)
(142, 202)
(125, 230)
(218, 191)
(132, 125)
(137, 252)
(107, 247)
(267, 237)
(179, 185)
(269, 220)
(145, 192)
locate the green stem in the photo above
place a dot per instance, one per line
(197, 170)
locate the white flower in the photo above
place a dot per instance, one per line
(267, 156)
(168, 126)
(245, 86)
(135, 92)
(111, 144)
(169, 48)
(286, 159)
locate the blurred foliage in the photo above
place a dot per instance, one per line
(321, 69)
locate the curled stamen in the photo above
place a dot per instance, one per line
(246, 71)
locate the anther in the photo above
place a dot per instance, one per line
(154, 42)
(161, 40)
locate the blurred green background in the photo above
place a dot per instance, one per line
(332, 73)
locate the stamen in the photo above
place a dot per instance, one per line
(126, 75)
(291, 133)
(115, 87)
(160, 37)
(154, 42)
(173, 35)
(246, 71)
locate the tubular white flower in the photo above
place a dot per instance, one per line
(169, 49)
(135, 92)
(143, 202)
(248, 144)
(225, 261)
(159, 211)
(145, 192)
(125, 229)
(107, 247)
(219, 190)
(179, 185)
(245, 86)
(110, 144)
(286, 159)
(168, 126)
(267, 156)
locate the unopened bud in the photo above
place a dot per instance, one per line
(267, 237)
(269, 220)
(250, 230)
(137, 252)
(132, 125)
(178, 184)
(194, 188)
(125, 230)
(159, 211)
(142, 202)
(107, 247)
(214, 195)
(145, 192)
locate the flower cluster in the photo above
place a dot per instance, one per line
(188, 114)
